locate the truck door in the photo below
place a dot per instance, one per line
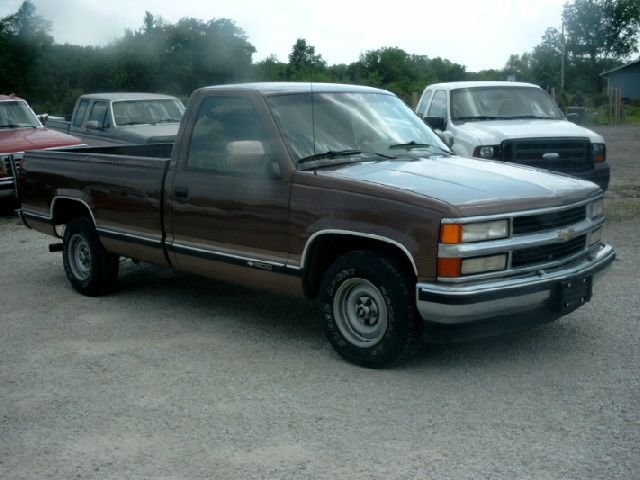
(100, 117)
(230, 193)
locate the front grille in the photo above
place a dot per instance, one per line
(6, 164)
(574, 154)
(548, 221)
(547, 253)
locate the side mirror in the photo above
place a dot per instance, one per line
(446, 137)
(43, 117)
(573, 117)
(245, 153)
(436, 123)
(92, 125)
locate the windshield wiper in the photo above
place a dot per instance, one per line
(480, 117)
(167, 120)
(329, 154)
(135, 123)
(411, 145)
(531, 116)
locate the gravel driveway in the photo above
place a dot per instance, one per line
(179, 377)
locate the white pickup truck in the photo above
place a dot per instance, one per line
(513, 122)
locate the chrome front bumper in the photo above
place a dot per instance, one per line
(465, 304)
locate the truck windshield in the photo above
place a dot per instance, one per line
(351, 122)
(17, 114)
(147, 112)
(502, 102)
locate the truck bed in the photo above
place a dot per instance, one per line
(61, 124)
(122, 186)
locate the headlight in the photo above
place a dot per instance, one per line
(474, 232)
(597, 209)
(595, 237)
(487, 151)
(457, 267)
(599, 151)
(483, 264)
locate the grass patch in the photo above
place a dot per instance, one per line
(8, 220)
(602, 115)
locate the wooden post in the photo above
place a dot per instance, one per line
(619, 103)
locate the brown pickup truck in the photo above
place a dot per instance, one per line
(338, 193)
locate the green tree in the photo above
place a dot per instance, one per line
(270, 69)
(601, 32)
(402, 73)
(602, 29)
(305, 63)
(24, 37)
(546, 60)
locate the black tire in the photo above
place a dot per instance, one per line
(368, 307)
(91, 270)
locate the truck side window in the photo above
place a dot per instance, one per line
(228, 137)
(80, 113)
(99, 113)
(439, 105)
(422, 104)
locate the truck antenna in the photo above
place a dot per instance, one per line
(313, 116)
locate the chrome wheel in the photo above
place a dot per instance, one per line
(79, 257)
(360, 312)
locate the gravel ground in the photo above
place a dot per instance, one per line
(178, 377)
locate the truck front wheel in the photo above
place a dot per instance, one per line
(368, 307)
(89, 267)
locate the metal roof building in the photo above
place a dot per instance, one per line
(627, 77)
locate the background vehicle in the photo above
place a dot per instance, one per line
(338, 193)
(20, 130)
(513, 122)
(121, 118)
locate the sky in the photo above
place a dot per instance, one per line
(479, 34)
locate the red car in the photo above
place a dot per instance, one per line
(20, 130)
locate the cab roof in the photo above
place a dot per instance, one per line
(10, 97)
(114, 96)
(278, 88)
(478, 84)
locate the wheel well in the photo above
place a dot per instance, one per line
(66, 209)
(326, 249)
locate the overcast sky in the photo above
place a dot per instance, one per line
(480, 34)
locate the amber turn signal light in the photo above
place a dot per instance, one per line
(451, 233)
(449, 267)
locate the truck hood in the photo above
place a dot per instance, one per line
(474, 187)
(14, 140)
(165, 132)
(493, 132)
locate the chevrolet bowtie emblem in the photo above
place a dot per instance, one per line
(566, 235)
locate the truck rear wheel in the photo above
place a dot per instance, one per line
(91, 270)
(368, 307)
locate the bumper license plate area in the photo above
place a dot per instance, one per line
(574, 293)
